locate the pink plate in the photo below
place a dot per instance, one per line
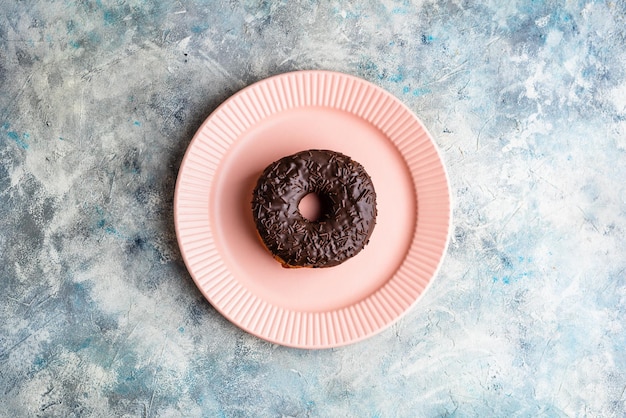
(278, 116)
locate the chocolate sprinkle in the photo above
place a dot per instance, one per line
(348, 208)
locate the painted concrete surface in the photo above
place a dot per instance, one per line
(527, 102)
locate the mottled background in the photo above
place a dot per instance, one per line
(526, 100)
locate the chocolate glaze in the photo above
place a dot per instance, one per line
(348, 208)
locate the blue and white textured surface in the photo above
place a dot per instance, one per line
(527, 102)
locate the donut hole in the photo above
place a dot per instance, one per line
(311, 207)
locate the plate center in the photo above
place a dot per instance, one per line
(285, 133)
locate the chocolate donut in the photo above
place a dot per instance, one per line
(348, 208)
